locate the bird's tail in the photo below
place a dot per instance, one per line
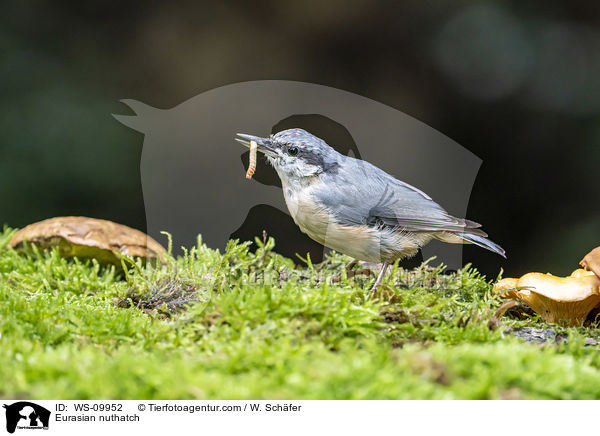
(482, 242)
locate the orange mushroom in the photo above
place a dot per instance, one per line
(507, 287)
(556, 299)
(591, 262)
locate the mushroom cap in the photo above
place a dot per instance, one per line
(507, 287)
(576, 287)
(557, 299)
(89, 238)
(591, 262)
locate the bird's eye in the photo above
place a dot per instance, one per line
(293, 151)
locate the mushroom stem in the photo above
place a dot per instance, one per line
(494, 321)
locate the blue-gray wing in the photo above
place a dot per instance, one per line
(360, 193)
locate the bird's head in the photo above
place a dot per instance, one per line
(295, 153)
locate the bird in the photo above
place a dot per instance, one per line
(356, 208)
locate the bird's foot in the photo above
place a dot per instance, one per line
(379, 278)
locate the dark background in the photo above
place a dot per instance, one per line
(517, 83)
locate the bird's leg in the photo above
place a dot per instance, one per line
(380, 277)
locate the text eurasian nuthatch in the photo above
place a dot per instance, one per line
(353, 207)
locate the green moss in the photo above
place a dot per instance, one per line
(244, 325)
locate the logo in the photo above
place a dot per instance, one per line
(26, 415)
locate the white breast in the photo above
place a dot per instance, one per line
(361, 242)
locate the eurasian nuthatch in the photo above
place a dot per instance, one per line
(353, 207)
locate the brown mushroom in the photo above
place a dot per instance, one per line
(83, 237)
(556, 299)
(591, 262)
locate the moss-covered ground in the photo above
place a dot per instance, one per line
(237, 325)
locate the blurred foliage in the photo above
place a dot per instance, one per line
(256, 327)
(514, 82)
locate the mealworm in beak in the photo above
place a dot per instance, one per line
(252, 162)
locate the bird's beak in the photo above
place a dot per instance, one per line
(264, 144)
